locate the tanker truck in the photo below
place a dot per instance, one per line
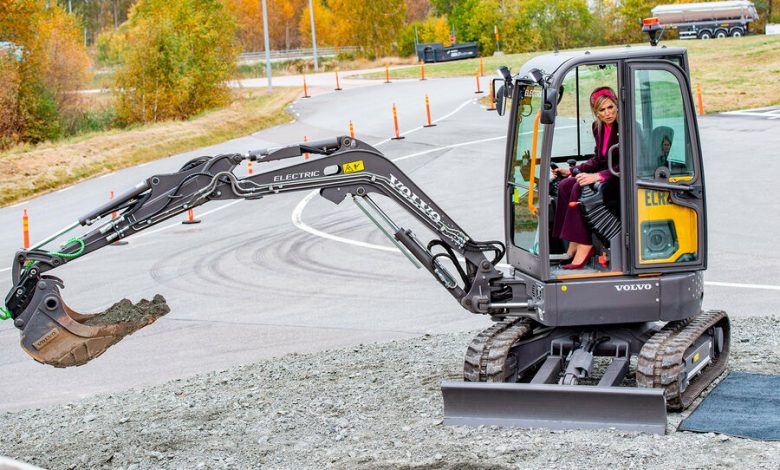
(707, 20)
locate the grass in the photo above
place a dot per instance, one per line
(735, 73)
(325, 64)
(31, 170)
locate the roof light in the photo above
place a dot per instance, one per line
(652, 26)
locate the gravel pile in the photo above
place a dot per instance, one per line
(376, 406)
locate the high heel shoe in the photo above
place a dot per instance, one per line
(590, 255)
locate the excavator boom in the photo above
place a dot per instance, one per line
(54, 334)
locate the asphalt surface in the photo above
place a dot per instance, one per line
(295, 273)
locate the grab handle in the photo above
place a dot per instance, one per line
(609, 159)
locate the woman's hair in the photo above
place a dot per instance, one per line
(597, 98)
(665, 139)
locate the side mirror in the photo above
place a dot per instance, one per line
(500, 100)
(549, 105)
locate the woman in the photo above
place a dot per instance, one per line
(569, 223)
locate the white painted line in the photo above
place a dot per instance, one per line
(741, 286)
(106, 175)
(17, 204)
(759, 113)
(298, 222)
(470, 100)
(64, 189)
(446, 147)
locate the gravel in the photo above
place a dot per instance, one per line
(376, 406)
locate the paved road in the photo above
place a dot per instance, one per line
(294, 273)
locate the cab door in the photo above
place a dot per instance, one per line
(666, 203)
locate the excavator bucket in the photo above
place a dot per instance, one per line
(554, 406)
(54, 334)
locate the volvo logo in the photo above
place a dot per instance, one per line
(458, 237)
(414, 199)
(627, 287)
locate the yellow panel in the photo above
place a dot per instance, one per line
(657, 205)
(352, 167)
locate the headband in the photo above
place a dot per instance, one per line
(602, 92)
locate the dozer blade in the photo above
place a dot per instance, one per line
(54, 334)
(554, 406)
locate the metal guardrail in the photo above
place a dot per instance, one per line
(295, 53)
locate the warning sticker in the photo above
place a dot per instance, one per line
(352, 167)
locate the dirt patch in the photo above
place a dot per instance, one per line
(125, 311)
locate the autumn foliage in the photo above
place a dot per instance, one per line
(42, 65)
(372, 26)
(178, 58)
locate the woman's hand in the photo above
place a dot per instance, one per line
(585, 179)
(561, 172)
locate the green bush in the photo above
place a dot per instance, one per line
(42, 121)
(84, 121)
(110, 46)
(178, 58)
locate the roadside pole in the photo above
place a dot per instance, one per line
(313, 35)
(267, 49)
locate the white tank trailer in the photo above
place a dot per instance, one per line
(707, 20)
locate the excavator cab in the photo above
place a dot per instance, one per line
(651, 217)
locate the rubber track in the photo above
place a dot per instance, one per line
(661, 358)
(486, 355)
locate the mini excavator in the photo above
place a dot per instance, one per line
(614, 344)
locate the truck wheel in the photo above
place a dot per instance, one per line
(705, 35)
(737, 32)
(721, 33)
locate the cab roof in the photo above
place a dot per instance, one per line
(550, 63)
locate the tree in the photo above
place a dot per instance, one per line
(417, 10)
(433, 29)
(559, 25)
(324, 22)
(445, 7)
(39, 81)
(283, 16)
(474, 20)
(98, 15)
(628, 16)
(179, 56)
(249, 19)
(372, 26)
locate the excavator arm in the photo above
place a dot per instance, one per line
(54, 334)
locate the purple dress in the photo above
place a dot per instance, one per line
(569, 223)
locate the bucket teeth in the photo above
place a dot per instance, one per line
(54, 334)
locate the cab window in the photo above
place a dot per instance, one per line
(524, 171)
(662, 144)
(573, 132)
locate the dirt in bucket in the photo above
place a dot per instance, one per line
(125, 311)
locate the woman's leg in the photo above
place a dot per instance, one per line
(573, 226)
(582, 253)
(564, 196)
